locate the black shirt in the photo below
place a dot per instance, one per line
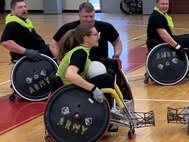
(108, 34)
(155, 22)
(22, 36)
(78, 59)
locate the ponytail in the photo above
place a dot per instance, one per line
(73, 38)
(66, 43)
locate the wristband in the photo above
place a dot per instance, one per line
(177, 46)
(93, 88)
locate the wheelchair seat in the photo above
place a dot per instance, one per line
(30, 79)
(165, 65)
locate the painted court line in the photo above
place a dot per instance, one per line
(183, 29)
(135, 38)
(1, 83)
(161, 100)
(144, 35)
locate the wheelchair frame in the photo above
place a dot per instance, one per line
(125, 111)
(178, 115)
(131, 6)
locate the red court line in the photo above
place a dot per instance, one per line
(134, 59)
(20, 111)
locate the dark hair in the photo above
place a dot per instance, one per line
(14, 2)
(87, 6)
(73, 38)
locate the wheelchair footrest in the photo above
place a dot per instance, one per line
(144, 119)
(137, 119)
(178, 115)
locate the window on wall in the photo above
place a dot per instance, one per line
(96, 4)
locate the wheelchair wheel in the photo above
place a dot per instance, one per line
(165, 66)
(30, 79)
(71, 115)
(126, 7)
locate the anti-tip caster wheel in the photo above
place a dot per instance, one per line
(146, 80)
(48, 139)
(131, 134)
(146, 74)
(12, 97)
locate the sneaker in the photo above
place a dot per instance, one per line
(117, 111)
(113, 128)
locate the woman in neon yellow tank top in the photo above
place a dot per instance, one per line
(73, 55)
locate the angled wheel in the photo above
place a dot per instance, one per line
(30, 79)
(165, 66)
(72, 115)
(125, 6)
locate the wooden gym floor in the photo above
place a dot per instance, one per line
(22, 120)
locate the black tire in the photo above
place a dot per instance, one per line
(125, 8)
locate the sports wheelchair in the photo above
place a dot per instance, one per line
(165, 65)
(30, 79)
(131, 6)
(71, 114)
(178, 115)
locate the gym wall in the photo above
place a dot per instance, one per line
(38, 4)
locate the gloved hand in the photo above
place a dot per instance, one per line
(98, 95)
(180, 49)
(33, 54)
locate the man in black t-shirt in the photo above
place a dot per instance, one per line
(160, 27)
(19, 35)
(159, 30)
(107, 34)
